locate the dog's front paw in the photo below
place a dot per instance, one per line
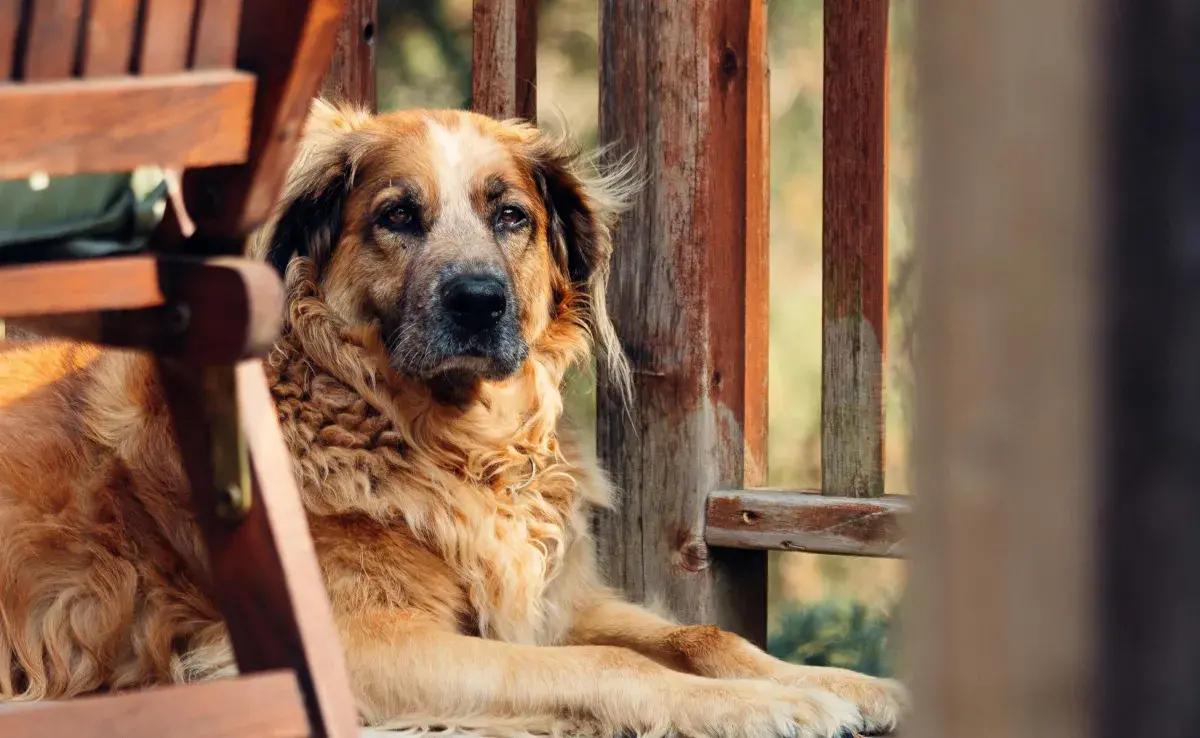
(883, 702)
(759, 709)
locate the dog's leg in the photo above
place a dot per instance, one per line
(711, 652)
(409, 672)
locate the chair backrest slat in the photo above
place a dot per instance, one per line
(53, 39)
(166, 36)
(217, 34)
(10, 24)
(111, 33)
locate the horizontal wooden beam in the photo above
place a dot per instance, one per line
(254, 706)
(194, 119)
(805, 520)
(213, 311)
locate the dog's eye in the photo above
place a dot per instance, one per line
(511, 216)
(399, 217)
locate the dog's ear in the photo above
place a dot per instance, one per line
(307, 221)
(583, 206)
(310, 214)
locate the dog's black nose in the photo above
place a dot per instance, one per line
(475, 302)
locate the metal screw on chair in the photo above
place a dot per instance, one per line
(232, 503)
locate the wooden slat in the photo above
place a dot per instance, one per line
(127, 283)
(108, 45)
(758, 250)
(504, 64)
(72, 127)
(803, 520)
(1003, 615)
(166, 36)
(287, 45)
(210, 312)
(10, 24)
(50, 49)
(352, 72)
(684, 107)
(215, 45)
(1149, 448)
(854, 234)
(256, 706)
(264, 568)
(216, 34)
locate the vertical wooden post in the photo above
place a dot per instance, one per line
(1149, 548)
(854, 236)
(504, 61)
(352, 72)
(1009, 229)
(680, 83)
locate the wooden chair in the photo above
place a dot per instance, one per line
(217, 89)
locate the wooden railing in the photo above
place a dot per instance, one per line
(690, 287)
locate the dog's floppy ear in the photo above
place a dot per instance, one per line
(583, 207)
(307, 220)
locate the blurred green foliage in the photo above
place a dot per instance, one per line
(842, 633)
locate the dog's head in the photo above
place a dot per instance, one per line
(462, 238)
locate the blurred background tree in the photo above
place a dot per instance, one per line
(824, 610)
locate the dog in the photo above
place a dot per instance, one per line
(443, 270)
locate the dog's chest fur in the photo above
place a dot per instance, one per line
(422, 511)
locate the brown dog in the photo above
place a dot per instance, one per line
(443, 271)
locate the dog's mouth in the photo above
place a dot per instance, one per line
(441, 356)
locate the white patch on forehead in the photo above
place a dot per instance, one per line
(457, 156)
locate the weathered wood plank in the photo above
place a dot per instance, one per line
(685, 108)
(75, 126)
(166, 36)
(1149, 447)
(109, 41)
(50, 49)
(854, 235)
(504, 63)
(1003, 613)
(806, 520)
(215, 45)
(255, 706)
(352, 71)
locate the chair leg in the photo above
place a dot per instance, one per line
(265, 575)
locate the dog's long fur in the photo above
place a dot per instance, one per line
(451, 522)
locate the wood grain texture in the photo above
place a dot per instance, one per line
(109, 39)
(10, 24)
(684, 107)
(125, 283)
(1150, 448)
(166, 36)
(854, 248)
(258, 706)
(1002, 613)
(504, 59)
(758, 249)
(803, 520)
(287, 45)
(72, 127)
(352, 71)
(265, 574)
(217, 23)
(216, 311)
(50, 49)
